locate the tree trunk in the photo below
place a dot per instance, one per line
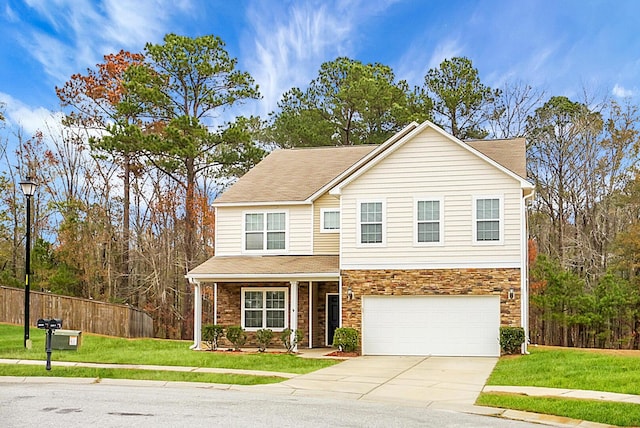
(126, 231)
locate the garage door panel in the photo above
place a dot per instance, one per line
(431, 325)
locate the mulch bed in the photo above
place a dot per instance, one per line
(342, 354)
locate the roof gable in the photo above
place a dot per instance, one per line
(495, 154)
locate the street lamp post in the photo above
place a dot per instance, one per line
(29, 189)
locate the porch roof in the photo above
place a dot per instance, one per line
(267, 268)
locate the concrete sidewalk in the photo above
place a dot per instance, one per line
(148, 367)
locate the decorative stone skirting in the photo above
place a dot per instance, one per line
(431, 282)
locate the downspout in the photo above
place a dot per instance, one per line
(197, 314)
(524, 273)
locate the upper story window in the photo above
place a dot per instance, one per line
(488, 219)
(329, 220)
(265, 231)
(429, 220)
(371, 222)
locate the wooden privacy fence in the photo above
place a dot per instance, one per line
(77, 314)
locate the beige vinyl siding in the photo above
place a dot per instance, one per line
(431, 166)
(324, 243)
(230, 229)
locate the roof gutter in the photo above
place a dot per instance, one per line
(235, 277)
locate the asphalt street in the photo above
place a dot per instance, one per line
(65, 404)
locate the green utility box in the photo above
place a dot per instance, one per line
(68, 340)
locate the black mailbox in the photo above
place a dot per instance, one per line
(49, 324)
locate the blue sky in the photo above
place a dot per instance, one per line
(559, 46)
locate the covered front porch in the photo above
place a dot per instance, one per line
(275, 292)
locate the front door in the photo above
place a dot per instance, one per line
(333, 316)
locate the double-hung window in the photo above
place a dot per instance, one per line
(329, 220)
(488, 219)
(371, 222)
(264, 308)
(429, 221)
(265, 231)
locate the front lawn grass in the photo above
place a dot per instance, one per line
(569, 369)
(610, 413)
(102, 349)
(136, 374)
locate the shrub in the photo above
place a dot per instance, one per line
(236, 336)
(287, 341)
(511, 339)
(345, 339)
(211, 334)
(264, 336)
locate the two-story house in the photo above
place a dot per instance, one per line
(419, 243)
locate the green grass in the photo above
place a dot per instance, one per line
(620, 414)
(100, 373)
(101, 349)
(570, 368)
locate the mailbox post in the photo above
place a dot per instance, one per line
(49, 325)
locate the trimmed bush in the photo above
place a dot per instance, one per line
(211, 334)
(287, 341)
(346, 339)
(237, 336)
(264, 336)
(511, 339)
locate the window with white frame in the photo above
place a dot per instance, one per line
(488, 219)
(264, 308)
(265, 231)
(371, 222)
(429, 226)
(329, 220)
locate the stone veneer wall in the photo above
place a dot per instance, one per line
(229, 301)
(431, 282)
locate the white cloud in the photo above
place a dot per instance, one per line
(84, 31)
(288, 52)
(289, 42)
(446, 49)
(27, 118)
(10, 14)
(622, 92)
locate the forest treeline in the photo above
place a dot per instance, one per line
(126, 181)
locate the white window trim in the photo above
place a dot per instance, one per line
(264, 310)
(359, 242)
(322, 213)
(475, 219)
(439, 243)
(265, 250)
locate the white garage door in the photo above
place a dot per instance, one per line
(431, 325)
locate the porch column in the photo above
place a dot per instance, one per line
(215, 303)
(293, 318)
(197, 314)
(310, 316)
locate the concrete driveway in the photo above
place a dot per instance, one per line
(444, 382)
